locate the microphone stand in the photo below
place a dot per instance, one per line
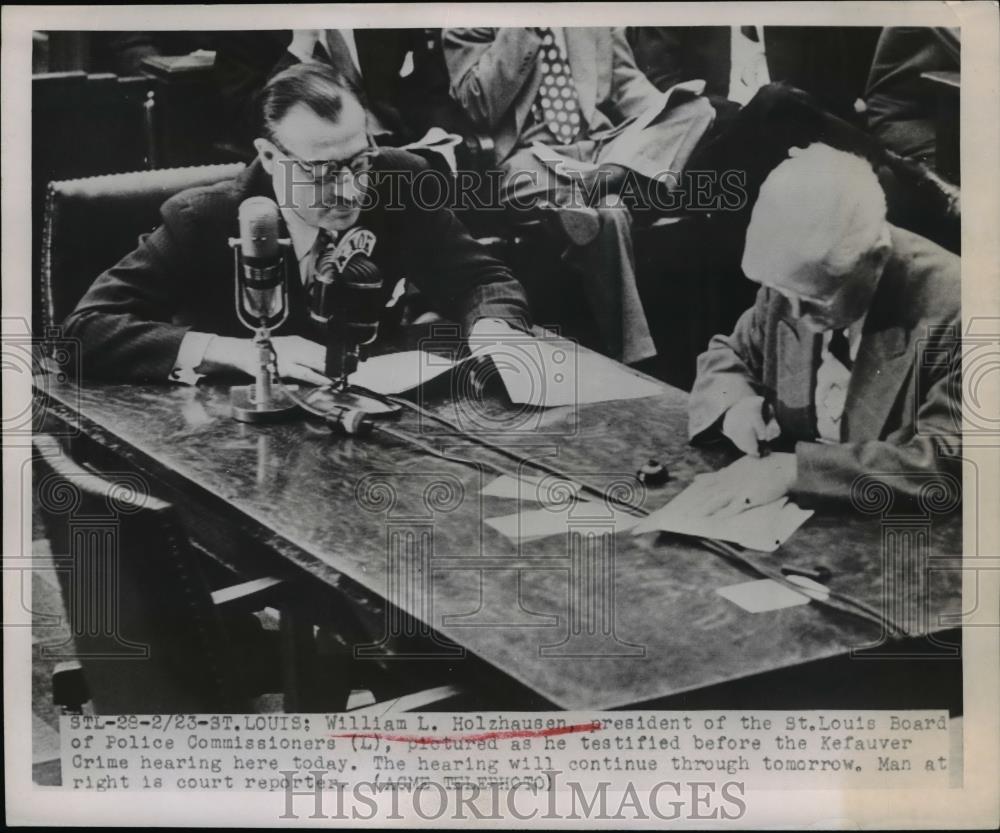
(261, 401)
(351, 410)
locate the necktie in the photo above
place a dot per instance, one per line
(557, 104)
(840, 348)
(324, 240)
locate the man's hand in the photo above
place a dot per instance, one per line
(298, 358)
(750, 481)
(744, 424)
(488, 330)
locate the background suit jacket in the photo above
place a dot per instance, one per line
(407, 106)
(902, 418)
(132, 319)
(495, 75)
(829, 62)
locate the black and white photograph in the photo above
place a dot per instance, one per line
(540, 423)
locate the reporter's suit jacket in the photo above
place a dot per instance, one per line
(902, 418)
(495, 75)
(131, 321)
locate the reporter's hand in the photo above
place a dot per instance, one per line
(749, 482)
(744, 425)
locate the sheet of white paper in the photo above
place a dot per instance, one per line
(541, 523)
(762, 528)
(549, 372)
(399, 372)
(694, 87)
(547, 490)
(762, 595)
(558, 162)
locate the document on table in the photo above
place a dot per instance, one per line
(548, 373)
(541, 523)
(399, 372)
(762, 528)
(543, 372)
(762, 595)
(547, 490)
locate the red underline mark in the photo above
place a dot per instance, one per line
(512, 734)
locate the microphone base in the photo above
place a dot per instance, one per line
(245, 407)
(351, 412)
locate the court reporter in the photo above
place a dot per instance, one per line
(848, 364)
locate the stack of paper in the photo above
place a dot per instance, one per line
(763, 528)
(543, 372)
(548, 373)
(399, 372)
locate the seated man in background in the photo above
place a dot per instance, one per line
(404, 81)
(564, 108)
(166, 310)
(901, 107)
(848, 360)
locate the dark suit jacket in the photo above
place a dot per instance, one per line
(672, 54)
(901, 108)
(902, 417)
(829, 62)
(133, 318)
(407, 106)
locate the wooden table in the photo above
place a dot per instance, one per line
(589, 620)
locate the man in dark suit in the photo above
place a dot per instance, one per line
(848, 363)
(166, 310)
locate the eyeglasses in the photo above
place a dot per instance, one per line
(798, 302)
(359, 163)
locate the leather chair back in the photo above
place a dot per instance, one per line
(143, 623)
(90, 224)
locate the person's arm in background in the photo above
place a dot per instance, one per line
(488, 68)
(243, 63)
(126, 320)
(631, 91)
(464, 282)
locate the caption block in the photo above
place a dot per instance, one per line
(540, 751)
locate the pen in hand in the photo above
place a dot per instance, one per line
(771, 428)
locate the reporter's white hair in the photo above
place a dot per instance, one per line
(820, 206)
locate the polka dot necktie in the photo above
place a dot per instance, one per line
(557, 105)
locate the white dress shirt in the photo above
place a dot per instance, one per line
(832, 380)
(748, 65)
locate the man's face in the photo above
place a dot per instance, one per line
(820, 300)
(329, 201)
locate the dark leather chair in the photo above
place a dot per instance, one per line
(90, 223)
(148, 634)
